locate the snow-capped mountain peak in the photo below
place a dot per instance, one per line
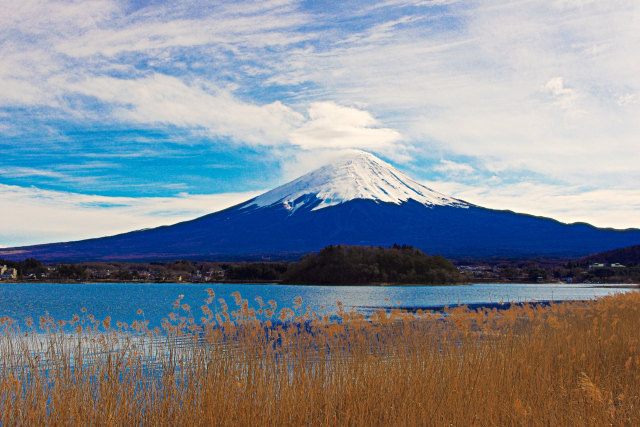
(357, 175)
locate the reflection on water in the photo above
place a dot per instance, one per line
(121, 301)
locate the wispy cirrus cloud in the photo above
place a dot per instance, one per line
(224, 25)
(18, 172)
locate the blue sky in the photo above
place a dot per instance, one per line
(117, 115)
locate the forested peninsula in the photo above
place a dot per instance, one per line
(353, 265)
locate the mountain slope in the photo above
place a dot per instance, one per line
(358, 200)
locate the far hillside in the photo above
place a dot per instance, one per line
(344, 265)
(629, 256)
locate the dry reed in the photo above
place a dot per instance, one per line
(564, 364)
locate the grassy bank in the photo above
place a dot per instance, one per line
(564, 364)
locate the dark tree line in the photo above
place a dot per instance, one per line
(256, 271)
(343, 265)
(28, 266)
(70, 271)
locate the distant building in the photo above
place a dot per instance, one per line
(214, 275)
(2, 269)
(600, 265)
(9, 273)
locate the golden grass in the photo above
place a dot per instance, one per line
(567, 364)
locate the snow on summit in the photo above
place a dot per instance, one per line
(358, 175)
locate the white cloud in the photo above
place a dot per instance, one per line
(451, 167)
(31, 29)
(33, 216)
(227, 29)
(18, 92)
(45, 16)
(21, 172)
(627, 99)
(334, 126)
(169, 100)
(563, 96)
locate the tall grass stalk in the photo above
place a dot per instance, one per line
(564, 364)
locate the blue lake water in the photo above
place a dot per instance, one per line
(122, 300)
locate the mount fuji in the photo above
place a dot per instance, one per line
(356, 200)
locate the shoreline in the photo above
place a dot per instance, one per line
(276, 282)
(505, 305)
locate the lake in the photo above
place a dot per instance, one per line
(121, 301)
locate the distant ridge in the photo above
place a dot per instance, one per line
(357, 199)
